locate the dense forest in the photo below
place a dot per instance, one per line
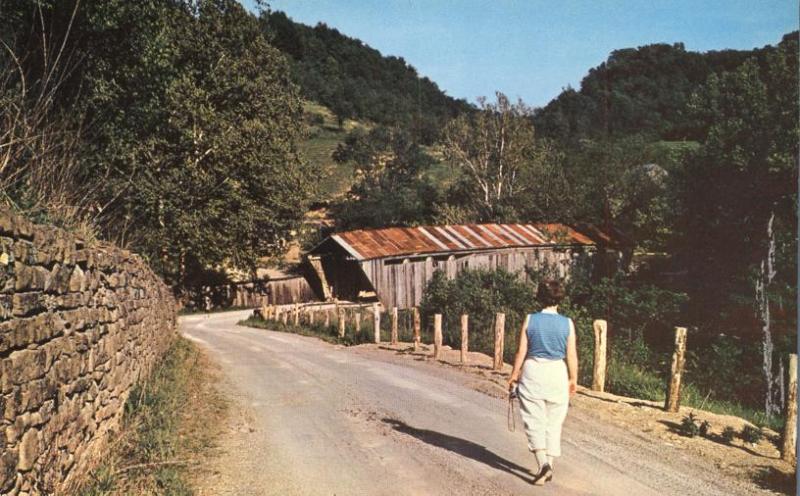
(641, 90)
(356, 81)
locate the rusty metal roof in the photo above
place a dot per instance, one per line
(365, 244)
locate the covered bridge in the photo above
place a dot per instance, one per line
(393, 265)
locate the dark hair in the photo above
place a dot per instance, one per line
(550, 292)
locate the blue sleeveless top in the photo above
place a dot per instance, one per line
(547, 335)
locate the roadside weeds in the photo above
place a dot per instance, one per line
(169, 429)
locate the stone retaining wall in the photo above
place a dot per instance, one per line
(79, 325)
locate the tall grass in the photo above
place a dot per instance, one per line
(168, 425)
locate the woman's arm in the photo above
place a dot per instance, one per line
(519, 358)
(572, 359)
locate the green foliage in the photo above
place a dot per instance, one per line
(329, 333)
(481, 294)
(690, 426)
(389, 187)
(625, 182)
(744, 173)
(751, 434)
(633, 380)
(500, 161)
(356, 81)
(737, 195)
(704, 428)
(637, 90)
(635, 310)
(728, 434)
(191, 123)
(736, 366)
(320, 141)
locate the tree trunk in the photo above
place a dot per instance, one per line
(766, 274)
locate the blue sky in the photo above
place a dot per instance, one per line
(532, 49)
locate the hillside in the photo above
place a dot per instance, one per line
(356, 81)
(641, 90)
(323, 135)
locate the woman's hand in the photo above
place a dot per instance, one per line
(573, 387)
(512, 382)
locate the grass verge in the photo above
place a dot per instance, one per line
(169, 428)
(631, 380)
(326, 333)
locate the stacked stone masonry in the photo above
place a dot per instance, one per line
(79, 326)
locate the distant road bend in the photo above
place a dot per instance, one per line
(319, 419)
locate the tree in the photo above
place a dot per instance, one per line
(356, 82)
(738, 192)
(492, 148)
(641, 90)
(627, 184)
(390, 188)
(222, 182)
(191, 123)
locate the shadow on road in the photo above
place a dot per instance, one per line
(772, 479)
(462, 447)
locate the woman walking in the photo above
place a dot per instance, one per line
(542, 379)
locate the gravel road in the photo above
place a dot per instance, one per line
(317, 419)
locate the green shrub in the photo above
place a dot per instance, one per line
(628, 379)
(751, 434)
(481, 294)
(728, 434)
(704, 427)
(689, 426)
(635, 311)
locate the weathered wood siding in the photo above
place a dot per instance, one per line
(401, 282)
(275, 292)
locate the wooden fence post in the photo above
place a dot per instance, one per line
(417, 330)
(311, 316)
(464, 337)
(437, 335)
(499, 335)
(327, 317)
(342, 322)
(357, 320)
(376, 322)
(285, 316)
(296, 314)
(789, 446)
(394, 326)
(599, 376)
(673, 402)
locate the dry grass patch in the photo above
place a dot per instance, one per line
(169, 431)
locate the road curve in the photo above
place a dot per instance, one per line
(328, 420)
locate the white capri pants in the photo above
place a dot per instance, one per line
(544, 400)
